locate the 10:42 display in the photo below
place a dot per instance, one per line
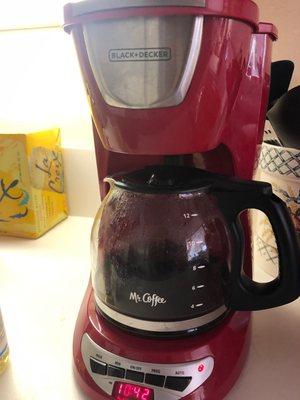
(128, 391)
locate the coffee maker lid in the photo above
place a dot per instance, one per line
(90, 10)
(89, 6)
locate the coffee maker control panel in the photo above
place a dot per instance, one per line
(115, 374)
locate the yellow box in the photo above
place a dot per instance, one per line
(32, 193)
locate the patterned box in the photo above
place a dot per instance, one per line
(279, 166)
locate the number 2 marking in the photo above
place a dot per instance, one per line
(146, 393)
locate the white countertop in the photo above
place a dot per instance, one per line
(41, 288)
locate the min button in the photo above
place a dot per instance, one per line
(115, 371)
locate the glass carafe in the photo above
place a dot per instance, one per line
(168, 250)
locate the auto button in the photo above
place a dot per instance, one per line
(177, 383)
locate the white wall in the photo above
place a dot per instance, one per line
(21, 13)
(41, 86)
(285, 14)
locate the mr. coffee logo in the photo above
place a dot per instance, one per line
(153, 300)
(148, 54)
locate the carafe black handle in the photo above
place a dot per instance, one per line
(247, 295)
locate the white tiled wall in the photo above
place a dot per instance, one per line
(41, 86)
(20, 13)
(81, 182)
(285, 15)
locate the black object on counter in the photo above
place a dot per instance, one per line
(281, 76)
(285, 118)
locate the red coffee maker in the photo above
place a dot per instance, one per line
(183, 81)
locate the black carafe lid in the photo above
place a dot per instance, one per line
(173, 179)
(164, 179)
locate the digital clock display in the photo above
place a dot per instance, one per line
(128, 391)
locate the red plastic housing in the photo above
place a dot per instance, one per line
(218, 126)
(231, 74)
(228, 344)
(223, 112)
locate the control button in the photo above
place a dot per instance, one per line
(155, 380)
(179, 384)
(98, 367)
(115, 371)
(135, 376)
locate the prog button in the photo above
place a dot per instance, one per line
(155, 380)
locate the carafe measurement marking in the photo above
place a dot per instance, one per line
(198, 287)
(197, 305)
(195, 267)
(188, 215)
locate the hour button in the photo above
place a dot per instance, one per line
(98, 367)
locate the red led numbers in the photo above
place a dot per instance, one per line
(127, 391)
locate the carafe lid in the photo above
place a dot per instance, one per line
(171, 179)
(165, 179)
